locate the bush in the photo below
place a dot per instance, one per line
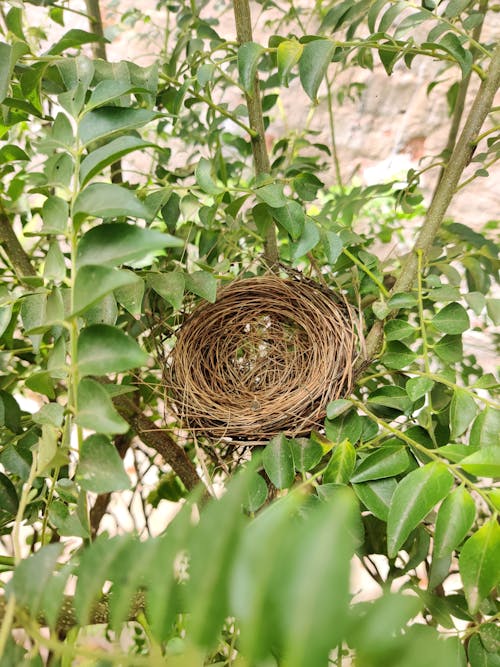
(102, 259)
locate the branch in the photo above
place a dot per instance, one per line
(159, 440)
(95, 19)
(458, 161)
(67, 616)
(18, 257)
(243, 21)
(462, 90)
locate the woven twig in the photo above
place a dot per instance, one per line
(265, 358)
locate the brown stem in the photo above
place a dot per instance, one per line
(459, 159)
(67, 616)
(462, 92)
(160, 440)
(94, 14)
(18, 257)
(243, 21)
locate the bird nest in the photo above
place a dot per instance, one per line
(265, 358)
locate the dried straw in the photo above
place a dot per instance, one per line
(265, 358)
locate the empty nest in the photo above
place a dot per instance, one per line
(265, 358)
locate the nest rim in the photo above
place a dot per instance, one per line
(264, 359)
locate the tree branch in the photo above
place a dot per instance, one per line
(459, 159)
(462, 91)
(95, 19)
(243, 21)
(159, 440)
(67, 616)
(18, 257)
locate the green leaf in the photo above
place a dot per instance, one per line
(107, 200)
(390, 460)
(291, 217)
(348, 426)
(205, 178)
(313, 65)
(105, 349)
(398, 355)
(402, 300)
(66, 523)
(254, 604)
(454, 520)
(452, 319)
(33, 575)
(73, 38)
(8, 499)
(55, 214)
(288, 55)
(170, 286)
(5, 317)
(212, 552)
(449, 349)
(341, 464)
(5, 71)
(110, 90)
(306, 453)
(50, 413)
(478, 564)
(398, 330)
(391, 397)
(102, 157)
(55, 266)
(463, 409)
(256, 494)
(94, 281)
(103, 123)
(493, 310)
(114, 244)
(313, 622)
(309, 238)
(336, 408)
(455, 8)
(418, 387)
(100, 468)
(94, 569)
(203, 284)
(479, 656)
(96, 411)
(272, 195)
(277, 459)
(485, 462)
(413, 499)
(130, 296)
(485, 429)
(248, 59)
(10, 413)
(333, 245)
(452, 45)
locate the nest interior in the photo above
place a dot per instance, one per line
(265, 358)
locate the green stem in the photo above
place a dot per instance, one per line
(331, 119)
(425, 450)
(366, 270)
(460, 158)
(213, 105)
